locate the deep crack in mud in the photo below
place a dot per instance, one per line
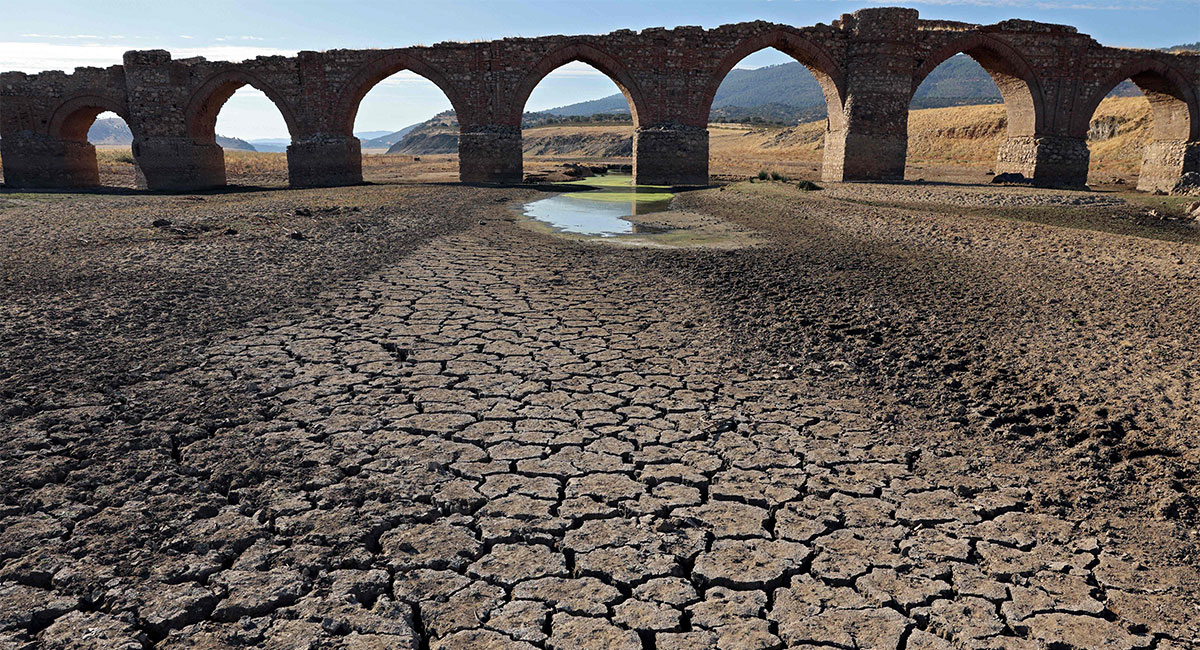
(418, 429)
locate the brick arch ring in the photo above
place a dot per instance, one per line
(206, 102)
(375, 71)
(74, 116)
(585, 53)
(812, 56)
(1176, 85)
(998, 57)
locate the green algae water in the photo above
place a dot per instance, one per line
(601, 210)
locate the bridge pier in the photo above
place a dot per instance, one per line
(865, 154)
(177, 164)
(868, 140)
(40, 161)
(324, 160)
(1164, 162)
(490, 154)
(1056, 160)
(670, 154)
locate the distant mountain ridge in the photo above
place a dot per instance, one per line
(113, 131)
(788, 93)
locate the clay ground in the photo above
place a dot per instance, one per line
(389, 416)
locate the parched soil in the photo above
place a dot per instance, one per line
(388, 416)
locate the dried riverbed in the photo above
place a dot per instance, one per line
(390, 416)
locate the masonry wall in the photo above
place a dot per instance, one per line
(868, 63)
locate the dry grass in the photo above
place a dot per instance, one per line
(964, 137)
(959, 135)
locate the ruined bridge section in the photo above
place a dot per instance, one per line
(869, 64)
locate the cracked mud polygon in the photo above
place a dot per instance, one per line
(392, 417)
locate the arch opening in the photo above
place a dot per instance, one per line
(560, 133)
(806, 82)
(96, 143)
(770, 113)
(406, 127)
(233, 116)
(1141, 128)
(969, 102)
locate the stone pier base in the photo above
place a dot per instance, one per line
(1052, 161)
(324, 160)
(490, 154)
(670, 155)
(34, 161)
(863, 157)
(1164, 162)
(178, 164)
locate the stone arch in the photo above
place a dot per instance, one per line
(1013, 75)
(1173, 149)
(210, 96)
(376, 71)
(810, 55)
(584, 53)
(1174, 104)
(73, 118)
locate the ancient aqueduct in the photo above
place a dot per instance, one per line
(869, 64)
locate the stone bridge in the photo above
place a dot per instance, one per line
(869, 64)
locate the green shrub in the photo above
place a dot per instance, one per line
(763, 175)
(807, 186)
(776, 176)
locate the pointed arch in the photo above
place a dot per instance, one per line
(1174, 102)
(210, 96)
(380, 68)
(1013, 75)
(584, 53)
(810, 55)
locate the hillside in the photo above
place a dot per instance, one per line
(113, 131)
(956, 135)
(788, 93)
(384, 139)
(545, 134)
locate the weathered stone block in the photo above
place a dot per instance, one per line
(1048, 161)
(178, 164)
(324, 160)
(1163, 163)
(670, 154)
(490, 154)
(34, 161)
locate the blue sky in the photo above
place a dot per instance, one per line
(60, 35)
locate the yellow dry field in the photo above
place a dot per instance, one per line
(938, 138)
(956, 143)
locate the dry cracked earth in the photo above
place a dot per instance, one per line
(398, 420)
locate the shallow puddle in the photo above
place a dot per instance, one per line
(603, 210)
(611, 209)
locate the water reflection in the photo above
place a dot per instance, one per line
(601, 211)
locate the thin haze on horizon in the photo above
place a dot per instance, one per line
(61, 35)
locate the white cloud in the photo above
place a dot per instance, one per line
(35, 56)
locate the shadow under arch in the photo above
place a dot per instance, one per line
(206, 102)
(812, 56)
(1012, 74)
(378, 69)
(583, 53)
